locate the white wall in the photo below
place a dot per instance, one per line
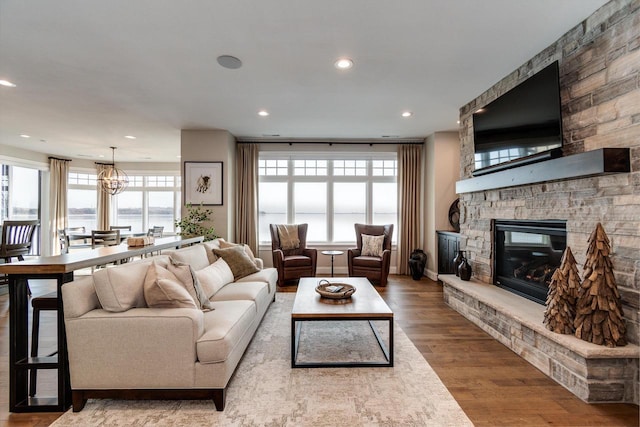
(442, 170)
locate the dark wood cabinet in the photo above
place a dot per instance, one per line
(448, 246)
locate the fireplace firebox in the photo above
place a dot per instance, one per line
(526, 254)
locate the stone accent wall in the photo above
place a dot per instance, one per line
(600, 89)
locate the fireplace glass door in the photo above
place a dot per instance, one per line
(527, 254)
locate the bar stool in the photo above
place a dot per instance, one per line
(44, 302)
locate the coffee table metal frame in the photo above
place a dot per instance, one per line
(336, 315)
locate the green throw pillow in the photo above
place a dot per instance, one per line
(238, 260)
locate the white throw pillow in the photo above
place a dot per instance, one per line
(214, 277)
(372, 245)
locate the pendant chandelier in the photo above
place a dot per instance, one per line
(113, 180)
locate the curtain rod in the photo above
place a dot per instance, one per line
(370, 142)
(58, 158)
(104, 164)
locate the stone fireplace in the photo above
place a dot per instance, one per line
(600, 97)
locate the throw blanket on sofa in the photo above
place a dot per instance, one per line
(288, 234)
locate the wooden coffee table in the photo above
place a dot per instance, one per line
(365, 304)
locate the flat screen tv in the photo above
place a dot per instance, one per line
(520, 127)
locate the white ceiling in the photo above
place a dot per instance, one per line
(90, 72)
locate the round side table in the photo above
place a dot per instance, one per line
(332, 254)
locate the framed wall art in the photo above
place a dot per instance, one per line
(203, 183)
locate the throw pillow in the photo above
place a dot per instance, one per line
(288, 235)
(214, 277)
(188, 277)
(162, 289)
(224, 245)
(372, 245)
(239, 262)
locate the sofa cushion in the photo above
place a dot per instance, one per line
(239, 262)
(188, 277)
(195, 256)
(121, 288)
(223, 329)
(267, 275)
(214, 277)
(257, 292)
(162, 289)
(372, 245)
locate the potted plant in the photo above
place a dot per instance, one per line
(192, 224)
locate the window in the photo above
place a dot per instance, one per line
(148, 201)
(20, 197)
(329, 192)
(20, 193)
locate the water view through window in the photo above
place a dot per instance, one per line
(330, 195)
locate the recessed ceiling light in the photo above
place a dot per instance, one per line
(179, 157)
(480, 110)
(407, 114)
(263, 113)
(230, 62)
(130, 137)
(6, 83)
(343, 64)
(458, 122)
(25, 136)
(101, 155)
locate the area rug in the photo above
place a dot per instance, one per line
(265, 391)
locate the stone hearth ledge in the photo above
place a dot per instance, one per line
(592, 372)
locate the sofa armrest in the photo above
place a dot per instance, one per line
(259, 263)
(138, 348)
(79, 297)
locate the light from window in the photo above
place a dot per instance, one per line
(161, 209)
(385, 167)
(349, 208)
(273, 167)
(350, 167)
(310, 201)
(82, 179)
(129, 209)
(272, 207)
(385, 203)
(82, 208)
(310, 167)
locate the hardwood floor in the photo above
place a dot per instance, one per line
(493, 385)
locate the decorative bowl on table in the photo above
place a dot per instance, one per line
(335, 290)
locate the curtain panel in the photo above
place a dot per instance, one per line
(104, 200)
(247, 195)
(409, 207)
(59, 183)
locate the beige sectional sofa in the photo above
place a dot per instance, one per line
(119, 347)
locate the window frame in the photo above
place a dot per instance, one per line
(330, 179)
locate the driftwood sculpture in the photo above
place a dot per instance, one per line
(562, 296)
(599, 309)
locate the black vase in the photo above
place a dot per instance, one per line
(417, 262)
(456, 262)
(464, 270)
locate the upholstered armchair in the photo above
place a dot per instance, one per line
(292, 262)
(372, 258)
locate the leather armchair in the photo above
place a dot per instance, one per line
(374, 268)
(293, 264)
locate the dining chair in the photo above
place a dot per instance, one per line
(16, 240)
(77, 237)
(63, 241)
(120, 227)
(104, 238)
(156, 231)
